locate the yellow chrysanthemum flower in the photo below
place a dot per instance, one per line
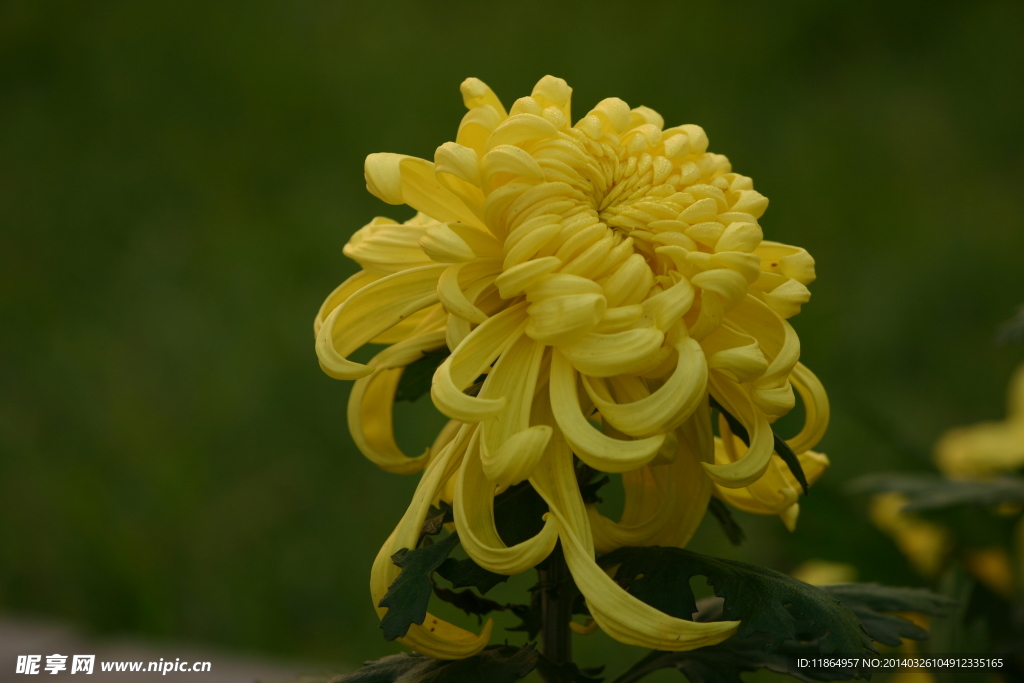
(924, 544)
(606, 278)
(824, 573)
(987, 449)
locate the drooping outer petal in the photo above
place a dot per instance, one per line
(370, 311)
(474, 517)
(816, 408)
(509, 446)
(750, 466)
(664, 503)
(434, 638)
(372, 399)
(618, 613)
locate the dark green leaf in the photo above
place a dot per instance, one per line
(870, 602)
(530, 616)
(568, 672)
(657, 576)
(417, 376)
(933, 492)
(721, 512)
(764, 600)
(724, 662)
(408, 595)
(781, 447)
(519, 515)
(468, 574)
(494, 665)
(468, 601)
(792, 462)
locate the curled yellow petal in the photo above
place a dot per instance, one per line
(369, 312)
(666, 308)
(564, 319)
(385, 246)
(663, 409)
(476, 93)
(816, 409)
(454, 299)
(472, 358)
(444, 245)
(340, 294)
(664, 503)
(474, 516)
(401, 179)
(509, 447)
(509, 161)
(749, 467)
(371, 403)
(734, 353)
(606, 355)
(516, 280)
(598, 450)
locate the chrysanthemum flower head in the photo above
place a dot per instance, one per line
(604, 279)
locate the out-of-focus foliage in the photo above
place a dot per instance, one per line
(177, 180)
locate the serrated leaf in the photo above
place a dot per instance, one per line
(494, 665)
(468, 601)
(417, 376)
(781, 447)
(871, 601)
(408, 595)
(721, 512)
(518, 514)
(530, 616)
(933, 492)
(468, 574)
(763, 600)
(655, 575)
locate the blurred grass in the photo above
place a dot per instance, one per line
(177, 181)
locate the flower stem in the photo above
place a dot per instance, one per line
(556, 610)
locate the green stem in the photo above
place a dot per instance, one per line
(556, 611)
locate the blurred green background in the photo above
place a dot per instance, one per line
(177, 180)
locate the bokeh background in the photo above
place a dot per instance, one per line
(177, 180)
